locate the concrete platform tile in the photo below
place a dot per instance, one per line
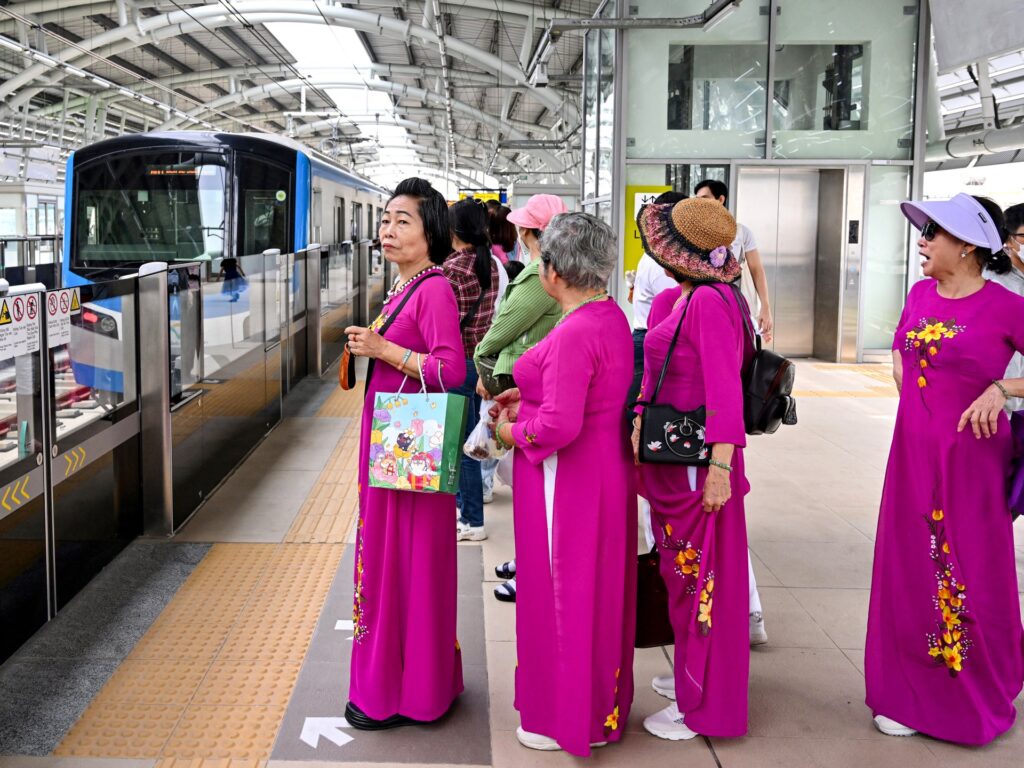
(804, 693)
(800, 521)
(856, 658)
(763, 576)
(788, 623)
(776, 752)
(841, 613)
(499, 617)
(817, 564)
(1004, 752)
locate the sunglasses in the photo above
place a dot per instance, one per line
(930, 230)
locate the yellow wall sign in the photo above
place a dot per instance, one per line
(637, 196)
(483, 197)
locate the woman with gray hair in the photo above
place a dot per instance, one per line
(575, 502)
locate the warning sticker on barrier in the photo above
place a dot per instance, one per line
(19, 333)
(60, 306)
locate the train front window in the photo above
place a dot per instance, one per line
(169, 206)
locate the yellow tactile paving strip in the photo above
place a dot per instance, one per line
(208, 684)
(332, 503)
(342, 403)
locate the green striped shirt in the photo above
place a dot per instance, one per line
(526, 315)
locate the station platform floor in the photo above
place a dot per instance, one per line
(228, 645)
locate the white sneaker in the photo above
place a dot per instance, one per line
(465, 532)
(545, 743)
(488, 497)
(668, 724)
(665, 685)
(890, 727)
(757, 634)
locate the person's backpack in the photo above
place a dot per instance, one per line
(767, 384)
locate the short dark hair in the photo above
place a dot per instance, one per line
(994, 261)
(1013, 219)
(718, 188)
(433, 213)
(503, 231)
(671, 196)
(513, 268)
(493, 204)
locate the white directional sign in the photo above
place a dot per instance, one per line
(328, 727)
(19, 330)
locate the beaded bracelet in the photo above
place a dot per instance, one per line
(497, 436)
(405, 359)
(719, 464)
(1001, 388)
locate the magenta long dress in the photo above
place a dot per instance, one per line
(945, 648)
(703, 556)
(405, 656)
(575, 528)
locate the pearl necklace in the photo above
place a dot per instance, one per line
(596, 297)
(397, 289)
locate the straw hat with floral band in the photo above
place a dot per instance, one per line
(691, 239)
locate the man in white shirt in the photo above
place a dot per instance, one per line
(744, 247)
(650, 280)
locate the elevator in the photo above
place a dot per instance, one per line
(807, 222)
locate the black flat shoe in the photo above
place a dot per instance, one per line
(506, 570)
(506, 592)
(363, 722)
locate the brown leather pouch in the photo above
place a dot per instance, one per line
(347, 370)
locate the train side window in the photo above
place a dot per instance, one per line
(371, 233)
(357, 220)
(316, 213)
(339, 219)
(265, 206)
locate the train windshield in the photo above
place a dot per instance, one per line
(168, 206)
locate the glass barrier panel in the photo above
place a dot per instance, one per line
(92, 353)
(20, 391)
(271, 279)
(184, 296)
(233, 314)
(298, 283)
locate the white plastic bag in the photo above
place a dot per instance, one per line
(480, 444)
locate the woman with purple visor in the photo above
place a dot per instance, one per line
(945, 646)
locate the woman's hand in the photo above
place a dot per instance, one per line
(983, 413)
(507, 401)
(764, 321)
(635, 440)
(482, 390)
(717, 489)
(364, 342)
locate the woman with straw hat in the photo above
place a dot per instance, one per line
(697, 511)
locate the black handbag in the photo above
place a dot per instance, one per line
(767, 384)
(668, 435)
(653, 627)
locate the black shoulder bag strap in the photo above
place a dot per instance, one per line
(391, 319)
(472, 310)
(668, 355)
(741, 302)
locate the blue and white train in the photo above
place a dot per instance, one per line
(201, 196)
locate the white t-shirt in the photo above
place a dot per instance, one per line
(650, 281)
(744, 242)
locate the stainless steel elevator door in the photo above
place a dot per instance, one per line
(780, 206)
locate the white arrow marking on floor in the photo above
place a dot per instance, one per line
(342, 624)
(328, 727)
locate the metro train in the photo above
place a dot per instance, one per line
(189, 196)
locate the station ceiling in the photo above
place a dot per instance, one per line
(472, 89)
(451, 82)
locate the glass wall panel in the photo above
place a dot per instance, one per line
(591, 74)
(697, 92)
(844, 79)
(885, 262)
(606, 112)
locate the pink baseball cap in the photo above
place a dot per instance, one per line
(538, 212)
(962, 216)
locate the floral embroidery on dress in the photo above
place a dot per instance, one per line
(948, 646)
(925, 341)
(686, 560)
(378, 323)
(612, 721)
(359, 627)
(704, 610)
